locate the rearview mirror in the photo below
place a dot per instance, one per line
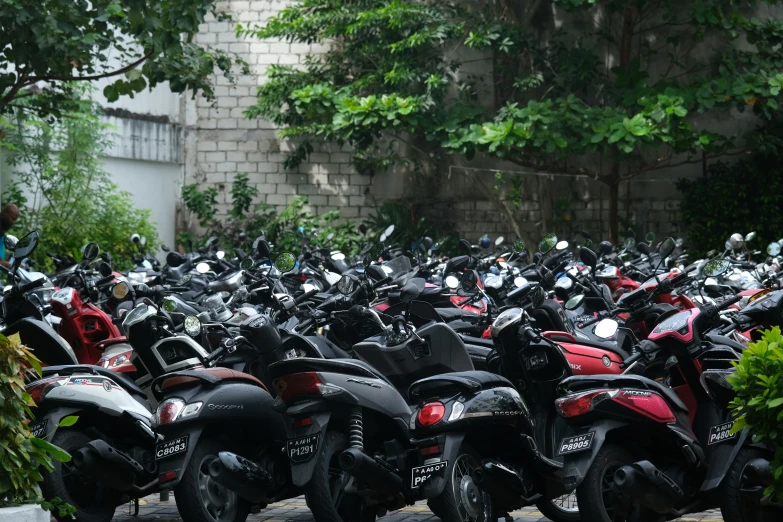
(261, 246)
(90, 251)
(285, 262)
(547, 243)
(644, 248)
(735, 241)
(605, 247)
(715, 267)
(629, 243)
(411, 291)
(499, 240)
(347, 284)
(246, 264)
(26, 245)
(469, 281)
(666, 247)
(519, 246)
(389, 231)
(561, 245)
(575, 302)
(538, 296)
(520, 281)
(606, 328)
(750, 237)
(773, 249)
(105, 269)
(452, 282)
(202, 268)
(649, 237)
(588, 257)
(10, 242)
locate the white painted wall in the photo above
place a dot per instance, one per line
(153, 186)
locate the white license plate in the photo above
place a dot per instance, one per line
(171, 447)
(303, 448)
(422, 474)
(576, 443)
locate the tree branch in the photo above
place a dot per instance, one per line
(35, 79)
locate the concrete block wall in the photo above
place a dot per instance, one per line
(227, 143)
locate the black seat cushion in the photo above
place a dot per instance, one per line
(584, 382)
(449, 314)
(472, 381)
(722, 339)
(310, 364)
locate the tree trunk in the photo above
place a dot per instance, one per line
(614, 196)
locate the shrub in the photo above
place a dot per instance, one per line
(22, 453)
(408, 229)
(759, 397)
(740, 197)
(262, 218)
(63, 190)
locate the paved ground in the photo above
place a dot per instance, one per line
(295, 510)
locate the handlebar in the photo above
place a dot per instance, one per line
(728, 302)
(32, 285)
(632, 359)
(305, 296)
(104, 280)
(382, 282)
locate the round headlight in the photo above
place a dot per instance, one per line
(120, 290)
(192, 325)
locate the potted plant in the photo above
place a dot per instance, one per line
(21, 454)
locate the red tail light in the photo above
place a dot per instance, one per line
(647, 403)
(581, 403)
(431, 414)
(298, 384)
(38, 389)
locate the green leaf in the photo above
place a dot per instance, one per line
(67, 421)
(774, 403)
(617, 136)
(58, 453)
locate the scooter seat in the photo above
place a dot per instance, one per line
(472, 381)
(586, 382)
(223, 374)
(122, 380)
(722, 339)
(450, 314)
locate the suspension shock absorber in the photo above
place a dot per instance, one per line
(356, 429)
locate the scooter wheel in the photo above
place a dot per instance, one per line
(596, 496)
(199, 498)
(93, 502)
(733, 505)
(561, 509)
(325, 493)
(461, 500)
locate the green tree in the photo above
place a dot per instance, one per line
(63, 190)
(607, 88)
(52, 43)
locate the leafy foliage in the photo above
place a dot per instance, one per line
(22, 454)
(137, 44)
(740, 196)
(63, 190)
(759, 397)
(263, 219)
(602, 87)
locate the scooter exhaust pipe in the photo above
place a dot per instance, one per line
(366, 469)
(645, 483)
(107, 465)
(503, 484)
(241, 476)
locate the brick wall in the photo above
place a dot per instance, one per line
(221, 142)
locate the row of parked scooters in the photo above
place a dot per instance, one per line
(588, 381)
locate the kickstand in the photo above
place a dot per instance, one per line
(134, 505)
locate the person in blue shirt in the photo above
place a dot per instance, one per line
(8, 217)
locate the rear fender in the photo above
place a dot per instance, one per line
(47, 421)
(575, 465)
(720, 460)
(177, 462)
(451, 448)
(302, 465)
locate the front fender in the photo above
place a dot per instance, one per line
(575, 465)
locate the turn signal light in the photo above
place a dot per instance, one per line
(305, 383)
(431, 414)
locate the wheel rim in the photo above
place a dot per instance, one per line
(472, 504)
(566, 503)
(219, 502)
(615, 504)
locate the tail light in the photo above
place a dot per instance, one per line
(302, 384)
(647, 403)
(431, 414)
(39, 389)
(581, 403)
(168, 410)
(116, 360)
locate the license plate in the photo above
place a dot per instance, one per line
(422, 474)
(576, 443)
(39, 428)
(171, 447)
(720, 433)
(303, 448)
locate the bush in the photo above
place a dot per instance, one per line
(63, 190)
(22, 453)
(408, 229)
(261, 218)
(740, 197)
(759, 397)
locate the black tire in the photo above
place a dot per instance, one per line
(733, 506)
(597, 502)
(325, 493)
(561, 509)
(93, 502)
(461, 500)
(201, 499)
